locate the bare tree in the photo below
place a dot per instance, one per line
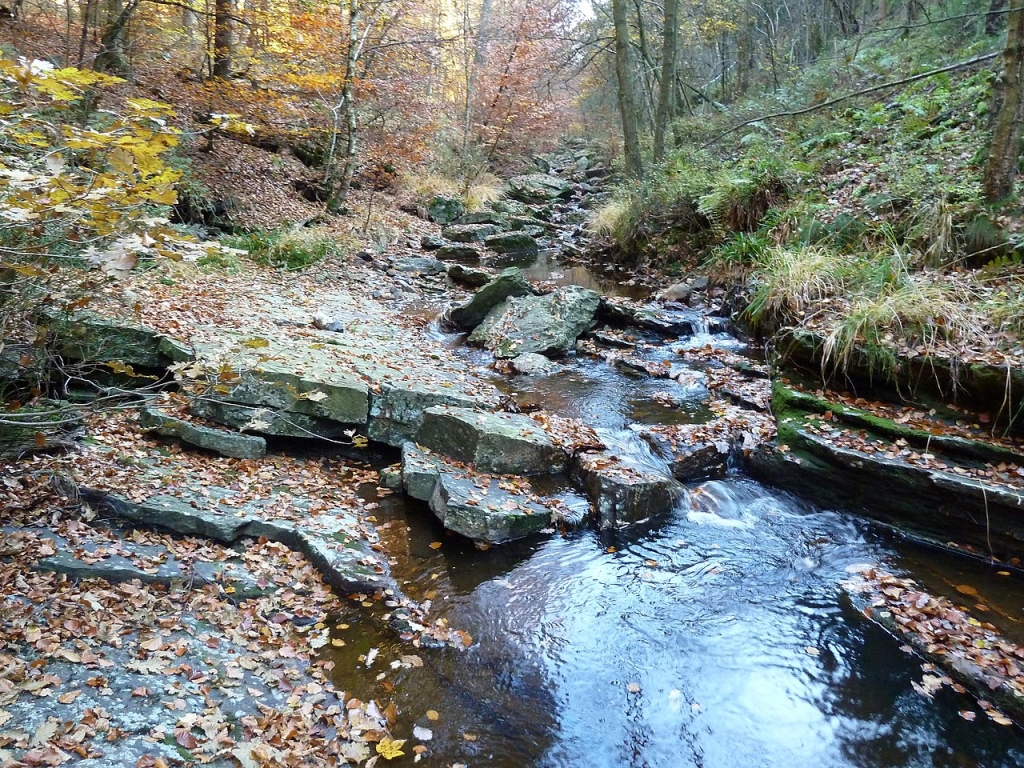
(628, 106)
(1004, 153)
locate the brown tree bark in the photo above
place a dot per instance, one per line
(628, 107)
(994, 18)
(1004, 152)
(223, 38)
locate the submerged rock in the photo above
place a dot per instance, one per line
(492, 442)
(538, 188)
(231, 444)
(541, 324)
(509, 283)
(621, 493)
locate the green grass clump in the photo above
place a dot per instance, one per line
(289, 249)
(791, 280)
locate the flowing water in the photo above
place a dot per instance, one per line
(717, 636)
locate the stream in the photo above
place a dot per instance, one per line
(716, 636)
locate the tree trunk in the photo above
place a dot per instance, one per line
(113, 43)
(1004, 153)
(626, 90)
(339, 193)
(994, 19)
(223, 38)
(666, 89)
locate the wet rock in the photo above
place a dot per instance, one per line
(469, 233)
(492, 442)
(538, 188)
(679, 293)
(520, 243)
(690, 457)
(432, 242)
(489, 513)
(621, 493)
(638, 367)
(231, 444)
(531, 364)
(466, 253)
(390, 478)
(507, 284)
(541, 324)
(482, 217)
(420, 471)
(511, 208)
(475, 278)
(420, 266)
(620, 312)
(612, 339)
(443, 209)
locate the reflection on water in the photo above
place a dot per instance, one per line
(719, 640)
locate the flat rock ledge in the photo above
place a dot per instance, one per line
(231, 444)
(502, 443)
(344, 560)
(485, 508)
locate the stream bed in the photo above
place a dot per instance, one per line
(716, 636)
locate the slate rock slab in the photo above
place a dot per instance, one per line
(491, 514)
(476, 278)
(518, 243)
(492, 442)
(230, 444)
(537, 188)
(621, 493)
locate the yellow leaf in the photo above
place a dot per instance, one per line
(389, 749)
(121, 161)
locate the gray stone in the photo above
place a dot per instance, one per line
(511, 208)
(542, 324)
(397, 410)
(476, 278)
(512, 242)
(390, 478)
(225, 443)
(490, 513)
(431, 242)
(689, 459)
(420, 471)
(419, 265)
(469, 233)
(466, 253)
(679, 292)
(444, 209)
(492, 442)
(532, 364)
(509, 283)
(669, 323)
(620, 492)
(538, 188)
(483, 217)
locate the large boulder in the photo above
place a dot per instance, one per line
(477, 278)
(492, 442)
(519, 243)
(542, 324)
(444, 209)
(532, 364)
(509, 283)
(467, 253)
(538, 188)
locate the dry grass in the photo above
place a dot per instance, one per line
(607, 219)
(790, 281)
(485, 189)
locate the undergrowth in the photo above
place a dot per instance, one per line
(289, 249)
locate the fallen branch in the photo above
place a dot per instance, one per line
(855, 94)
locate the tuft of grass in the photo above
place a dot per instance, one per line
(790, 280)
(485, 189)
(919, 309)
(607, 220)
(426, 185)
(290, 249)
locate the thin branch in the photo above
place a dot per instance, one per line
(855, 94)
